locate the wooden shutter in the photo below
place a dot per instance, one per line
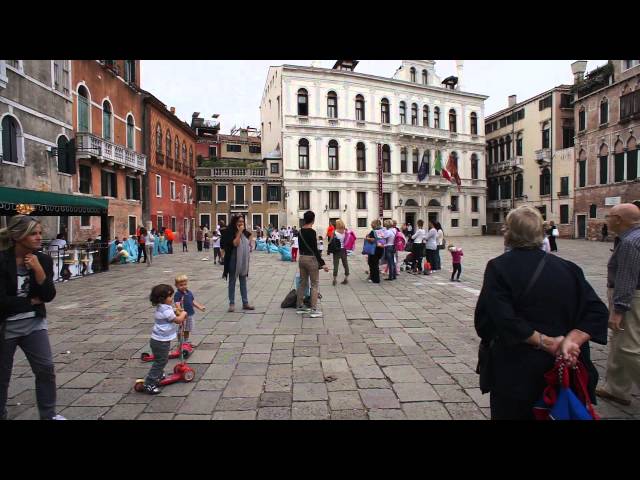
(105, 184)
(128, 187)
(114, 185)
(70, 154)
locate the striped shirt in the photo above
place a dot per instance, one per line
(623, 269)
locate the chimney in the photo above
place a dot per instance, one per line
(578, 68)
(512, 100)
(459, 68)
(173, 110)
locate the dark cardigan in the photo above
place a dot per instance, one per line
(226, 243)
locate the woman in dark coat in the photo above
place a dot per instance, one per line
(522, 333)
(235, 243)
(552, 239)
(26, 284)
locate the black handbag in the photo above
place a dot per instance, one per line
(334, 245)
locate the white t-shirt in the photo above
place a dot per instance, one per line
(57, 244)
(546, 246)
(294, 242)
(164, 329)
(341, 237)
(419, 236)
(150, 239)
(320, 245)
(440, 237)
(216, 240)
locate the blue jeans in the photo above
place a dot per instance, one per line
(390, 255)
(243, 289)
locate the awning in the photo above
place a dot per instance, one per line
(50, 203)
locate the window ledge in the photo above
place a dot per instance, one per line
(4, 162)
(65, 174)
(603, 125)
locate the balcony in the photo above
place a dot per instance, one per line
(504, 203)
(514, 163)
(425, 132)
(231, 172)
(105, 150)
(543, 156)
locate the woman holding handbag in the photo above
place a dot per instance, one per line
(440, 242)
(310, 262)
(533, 306)
(374, 249)
(338, 249)
(552, 233)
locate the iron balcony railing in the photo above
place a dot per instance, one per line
(109, 151)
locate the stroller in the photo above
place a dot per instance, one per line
(410, 263)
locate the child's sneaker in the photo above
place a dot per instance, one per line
(151, 389)
(315, 313)
(58, 417)
(303, 310)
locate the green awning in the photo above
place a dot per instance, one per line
(50, 203)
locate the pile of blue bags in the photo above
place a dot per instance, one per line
(261, 246)
(285, 254)
(273, 248)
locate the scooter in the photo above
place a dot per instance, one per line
(186, 348)
(181, 372)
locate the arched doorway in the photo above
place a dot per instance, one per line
(411, 212)
(434, 209)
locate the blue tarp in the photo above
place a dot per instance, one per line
(273, 248)
(162, 245)
(261, 246)
(285, 254)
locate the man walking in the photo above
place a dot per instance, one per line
(623, 282)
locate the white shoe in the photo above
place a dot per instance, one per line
(58, 417)
(315, 313)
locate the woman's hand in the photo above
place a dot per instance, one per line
(570, 351)
(551, 345)
(36, 301)
(31, 262)
(325, 268)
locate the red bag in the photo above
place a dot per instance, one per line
(427, 266)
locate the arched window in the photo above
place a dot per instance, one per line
(332, 105)
(426, 159)
(66, 161)
(582, 169)
(434, 203)
(333, 155)
(386, 159)
(519, 185)
(411, 203)
(474, 123)
(425, 77)
(107, 122)
(603, 164)
(519, 145)
(436, 117)
(413, 74)
(604, 111)
(168, 142)
(414, 160)
(11, 140)
(84, 106)
(474, 166)
(505, 190)
(303, 154)
(508, 147)
(158, 138)
(582, 119)
(190, 156)
(619, 161)
(453, 127)
(403, 160)
(360, 108)
(303, 102)
(425, 116)
(545, 135)
(403, 112)
(384, 111)
(502, 149)
(131, 129)
(545, 182)
(176, 147)
(184, 153)
(632, 159)
(130, 71)
(414, 114)
(361, 157)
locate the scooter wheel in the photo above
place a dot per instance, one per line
(188, 375)
(139, 386)
(144, 356)
(186, 353)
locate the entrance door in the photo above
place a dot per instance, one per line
(582, 226)
(410, 218)
(112, 227)
(432, 217)
(185, 227)
(63, 227)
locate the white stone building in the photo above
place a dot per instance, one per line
(334, 125)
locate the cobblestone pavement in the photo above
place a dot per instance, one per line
(398, 350)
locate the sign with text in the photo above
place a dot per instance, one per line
(380, 196)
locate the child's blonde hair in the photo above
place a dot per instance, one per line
(181, 278)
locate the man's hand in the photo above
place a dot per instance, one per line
(615, 321)
(325, 268)
(36, 301)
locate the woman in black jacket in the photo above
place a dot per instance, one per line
(235, 243)
(525, 320)
(26, 284)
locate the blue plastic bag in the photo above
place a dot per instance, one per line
(273, 248)
(285, 254)
(261, 246)
(369, 248)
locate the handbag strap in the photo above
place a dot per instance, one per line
(534, 277)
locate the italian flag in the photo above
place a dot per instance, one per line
(438, 166)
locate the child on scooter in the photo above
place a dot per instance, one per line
(164, 330)
(187, 300)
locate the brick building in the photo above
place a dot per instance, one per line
(207, 141)
(241, 180)
(108, 120)
(607, 113)
(169, 183)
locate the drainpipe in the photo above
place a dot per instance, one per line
(551, 152)
(145, 175)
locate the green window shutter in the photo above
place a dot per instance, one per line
(71, 156)
(632, 164)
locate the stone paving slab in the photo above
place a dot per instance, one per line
(398, 350)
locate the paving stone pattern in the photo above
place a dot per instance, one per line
(398, 350)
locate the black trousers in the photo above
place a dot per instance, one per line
(506, 408)
(184, 247)
(418, 251)
(374, 265)
(199, 243)
(457, 267)
(142, 251)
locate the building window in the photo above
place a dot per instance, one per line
(490, 152)
(275, 167)
(177, 149)
(453, 127)
(204, 193)
(333, 155)
(107, 121)
(131, 133)
(386, 201)
(403, 160)
(564, 214)
(334, 200)
(332, 105)
(130, 71)
(222, 193)
(159, 222)
(582, 119)
(184, 153)
(61, 76)
(629, 105)
(582, 173)
(496, 217)
(109, 184)
(436, 117)
(303, 102)
(474, 166)
(454, 203)
(66, 156)
(544, 103)
(604, 171)
(425, 116)
(190, 156)
(360, 108)
(85, 179)
(133, 225)
(158, 186)
(184, 194)
(384, 111)
(190, 196)
(474, 123)
(474, 222)
(239, 195)
(173, 224)
(274, 220)
(133, 188)
(454, 222)
(545, 135)
(168, 143)
(362, 200)
(414, 114)
(415, 160)
(257, 193)
(604, 111)
(84, 109)
(545, 182)
(413, 74)
(505, 188)
(474, 204)
(158, 138)
(172, 189)
(630, 64)
(256, 220)
(85, 221)
(619, 167)
(593, 211)
(507, 146)
(519, 185)
(303, 200)
(273, 193)
(564, 186)
(303, 154)
(566, 100)
(213, 152)
(425, 77)
(386, 159)
(502, 149)
(543, 211)
(568, 134)
(360, 157)
(362, 222)
(632, 159)
(255, 149)
(403, 112)
(234, 148)
(426, 159)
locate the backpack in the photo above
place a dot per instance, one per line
(400, 241)
(290, 300)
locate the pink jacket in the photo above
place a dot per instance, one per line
(457, 256)
(350, 240)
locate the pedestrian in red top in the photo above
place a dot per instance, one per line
(456, 256)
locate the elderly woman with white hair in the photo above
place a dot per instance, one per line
(533, 306)
(26, 284)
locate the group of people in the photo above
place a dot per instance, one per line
(205, 238)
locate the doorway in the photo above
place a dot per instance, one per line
(63, 227)
(582, 226)
(432, 217)
(112, 226)
(410, 218)
(185, 227)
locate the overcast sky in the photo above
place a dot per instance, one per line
(233, 88)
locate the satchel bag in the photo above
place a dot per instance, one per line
(369, 248)
(321, 262)
(334, 245)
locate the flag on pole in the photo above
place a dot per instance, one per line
(423, 171)
(452, 167)
(439, 167)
